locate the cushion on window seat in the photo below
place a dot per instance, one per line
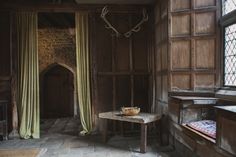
(207, 127)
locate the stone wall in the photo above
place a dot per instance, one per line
(56, 45)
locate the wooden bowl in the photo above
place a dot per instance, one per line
(130, 111)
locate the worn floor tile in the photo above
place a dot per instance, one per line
(60, 138)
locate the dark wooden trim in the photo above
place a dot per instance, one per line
(218, 47)
(191, 93)
(228, 19)
(131, 66)
(122, 73)
(71, 7)
(162, 42)
(212, 71)
(195, 36)
(195, 10)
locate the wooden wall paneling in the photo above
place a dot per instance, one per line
(14, 66)
(103, 46)
(158, 58)
(197, 25)
(132, 52)
(93, 73)
(5, 57)
(181, 81)
(6, 85)
(151, 62)
(123, 95)
(192, 59)
(157, 14)
(122, 46)
(204, 81)
(180, 25)
(105, 96)
(114, 44)
(5, 88)
(205, 23)
(205, 3)
(162, 63)
(180, 55)
(126, 63)
(141, 92)
(164, 56)
(161, 51)
(219, 47)
(205, 53)
(177, 5)
(140, 46)
(165, 90)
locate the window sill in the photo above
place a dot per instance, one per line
(225, 93)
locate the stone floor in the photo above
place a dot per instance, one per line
(60, 138)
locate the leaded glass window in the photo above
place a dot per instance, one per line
(230, 56)
(228, 6)
(228, 14)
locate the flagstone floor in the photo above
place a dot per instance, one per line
(60, 138)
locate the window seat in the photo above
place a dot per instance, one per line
(203, 124)
(207, 127)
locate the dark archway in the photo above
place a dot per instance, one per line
(57, 92)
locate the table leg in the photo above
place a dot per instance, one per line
(104, 133)
(143, 145)
(122, 128)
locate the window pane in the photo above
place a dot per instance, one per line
(228, 6)
(230, 56)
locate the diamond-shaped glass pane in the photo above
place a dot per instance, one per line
(228, 6)
(230, 56)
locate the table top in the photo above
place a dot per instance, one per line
(197, 100)
(142, 118)
(227, 108)
(194, 98)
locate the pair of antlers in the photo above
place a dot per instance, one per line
(136, 28)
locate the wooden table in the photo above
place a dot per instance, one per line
(142, 118)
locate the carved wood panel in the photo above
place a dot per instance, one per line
(180, 5)
(205, 3)
(193, 44)
(180, 25)
(180, 55)
(181, 81)
(205, 23)
(205, 53)
(204, 81)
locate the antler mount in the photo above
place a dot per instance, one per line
(135, 29)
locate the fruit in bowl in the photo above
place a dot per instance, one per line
(130, 111)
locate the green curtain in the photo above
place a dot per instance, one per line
(82, 70)
(28, 74)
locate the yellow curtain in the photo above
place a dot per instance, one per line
(28, 74)
(82, 70)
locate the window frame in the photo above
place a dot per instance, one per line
(225, 21)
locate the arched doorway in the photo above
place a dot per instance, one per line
(57, 92)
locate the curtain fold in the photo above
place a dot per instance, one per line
(28, 74)
(82, 70)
